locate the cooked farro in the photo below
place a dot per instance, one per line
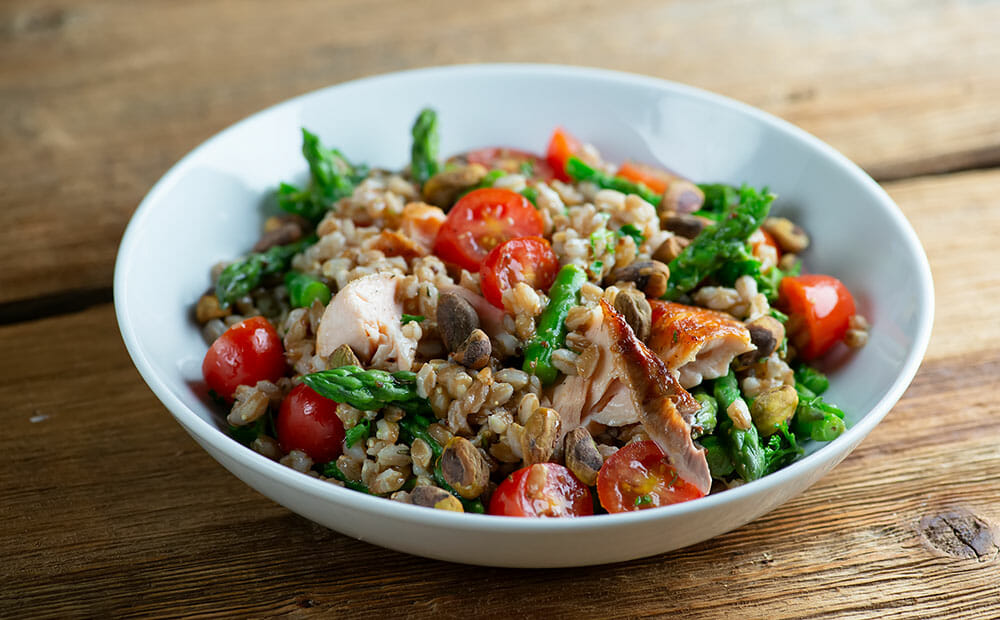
(529, 245)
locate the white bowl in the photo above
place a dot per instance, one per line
(209, 208)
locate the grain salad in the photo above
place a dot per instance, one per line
(524, 335)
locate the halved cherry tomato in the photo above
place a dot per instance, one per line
(308, 422)
(244, 354)
(562, 146)
(638, 476)
(820, 308)
(480, 221)
(768, 240)
(542, 490)
(652, 177)
(524, 259)
(511, 160)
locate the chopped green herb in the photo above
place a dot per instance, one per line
(643, 500)
(412, 318)
(631, 230)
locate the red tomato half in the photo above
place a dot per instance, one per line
(244, 354)
(542, 490)
(511, 160)
(525, 259)
(562, 146)
(309, 422)
(654, 178)
(480, 221)
(638, 476)
(822, 308)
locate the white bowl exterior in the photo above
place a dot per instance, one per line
(210, 205)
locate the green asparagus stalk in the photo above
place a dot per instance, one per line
(706, 417)
(812, 379)
(332, 177)
(241, 277)
(304, 289)
(719, 243)
(426, 143)
(579, 170)
(551, 332)
(719, 462)
(368, 390)
(815, 418)
(744, 445)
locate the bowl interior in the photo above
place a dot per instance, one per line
(209, 208)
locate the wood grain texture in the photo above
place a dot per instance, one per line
(111, 509)
(98, 98)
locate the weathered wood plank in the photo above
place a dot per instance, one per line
(957, 218)
(110, 509)
(99, 98)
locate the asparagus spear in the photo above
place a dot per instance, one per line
(332, 177)
(426, 142)
(551, 332)
(303, 289)
(582, 171)
(812, 379)
(717, 456)
(241, 277)
(368, 389)
(815, 418)
(719, 243)
(706, 417)
(744, 445)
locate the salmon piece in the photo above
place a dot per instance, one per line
(631, 384)
(697, 343)
(366, 316)
(421, 223)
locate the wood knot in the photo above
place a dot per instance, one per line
(960, 534)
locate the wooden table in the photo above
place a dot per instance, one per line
(109, 508)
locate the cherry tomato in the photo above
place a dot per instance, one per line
(638, 476)
(820, 308)
(511, 160)
(309, 422)
(562, 146)
(524, 259)
(768, 240)
(480, 221)
(542, 490)
(654, 178)
(244, 354)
